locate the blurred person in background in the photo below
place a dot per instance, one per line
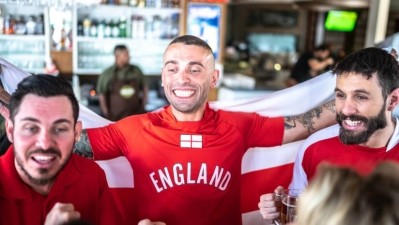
(121, 87)
(310, 64)
(343, 196)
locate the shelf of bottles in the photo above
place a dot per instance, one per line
(23, 37)
(145, 29)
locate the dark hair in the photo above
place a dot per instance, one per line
(45, 86)
(120, 48)
(370, 61)
(323, 47)
(191, 40)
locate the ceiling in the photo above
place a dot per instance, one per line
(320, 4)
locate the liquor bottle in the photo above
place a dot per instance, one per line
(101, 29)
(133, 2)
(93, 28)
(175, 3)
(122, 27)
(20, 27)
(149, 3)
(157, 3)
(39, 28)
(8, 25)
(30, 25)
(141, 3)
(86, 27)
(141, 27)
(114, 29)
(123, 2)
(80, 28)
(108, 29)
(134, 29)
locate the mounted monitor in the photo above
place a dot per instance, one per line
(338, 20)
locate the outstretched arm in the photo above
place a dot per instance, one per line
(301, 126)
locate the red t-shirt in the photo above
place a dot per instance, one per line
(333, 151)
(81, 182)
(187, 172)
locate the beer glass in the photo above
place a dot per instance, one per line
(289, 199)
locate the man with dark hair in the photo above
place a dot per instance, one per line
(366, 93)
(121, 87)
(311, 64)
(41, 181)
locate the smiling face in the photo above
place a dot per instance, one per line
(188, 74)
(43, 132)
(361, 108)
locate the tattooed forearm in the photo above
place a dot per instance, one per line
(330, 106)
(308, 119)
(83, 146)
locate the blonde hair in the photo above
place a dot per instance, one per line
(340, 196)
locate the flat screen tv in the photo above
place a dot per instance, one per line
(338, 20)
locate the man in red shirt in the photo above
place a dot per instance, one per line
(367, 92)
(186, 158)
(41, 181)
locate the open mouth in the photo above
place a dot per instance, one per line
(43, 159)
(184, 93)
(352, 124)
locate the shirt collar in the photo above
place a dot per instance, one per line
(395, 137)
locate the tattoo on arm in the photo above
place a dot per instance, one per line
(83, 146)
(307, 119)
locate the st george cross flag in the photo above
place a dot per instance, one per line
(263, 169)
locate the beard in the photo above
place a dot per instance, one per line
(372, 124)
(44, 178)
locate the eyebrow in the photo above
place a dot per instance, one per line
(190, 63)
(356, 91)
(31, 119)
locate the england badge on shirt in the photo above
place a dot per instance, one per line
(190, 141)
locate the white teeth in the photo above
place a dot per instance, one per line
(352, 123)
(43, 158)
(183, 93)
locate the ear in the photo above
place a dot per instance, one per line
(214, 78)
(9, 129)
(393, 99)
(162, 76)
(78, 130)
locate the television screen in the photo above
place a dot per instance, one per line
(271, 43)
(343, 21)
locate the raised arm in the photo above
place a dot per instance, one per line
(301, 126)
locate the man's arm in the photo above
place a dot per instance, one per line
(83, 146)
(317, 66)
(301, 126)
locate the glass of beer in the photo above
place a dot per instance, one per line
(289, 201)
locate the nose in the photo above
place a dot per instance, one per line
(44, 140)
(347, 107)
(183, 77)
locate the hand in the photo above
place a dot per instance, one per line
(268, 206)
(61, 213)
(330, 61)
(148, 222)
